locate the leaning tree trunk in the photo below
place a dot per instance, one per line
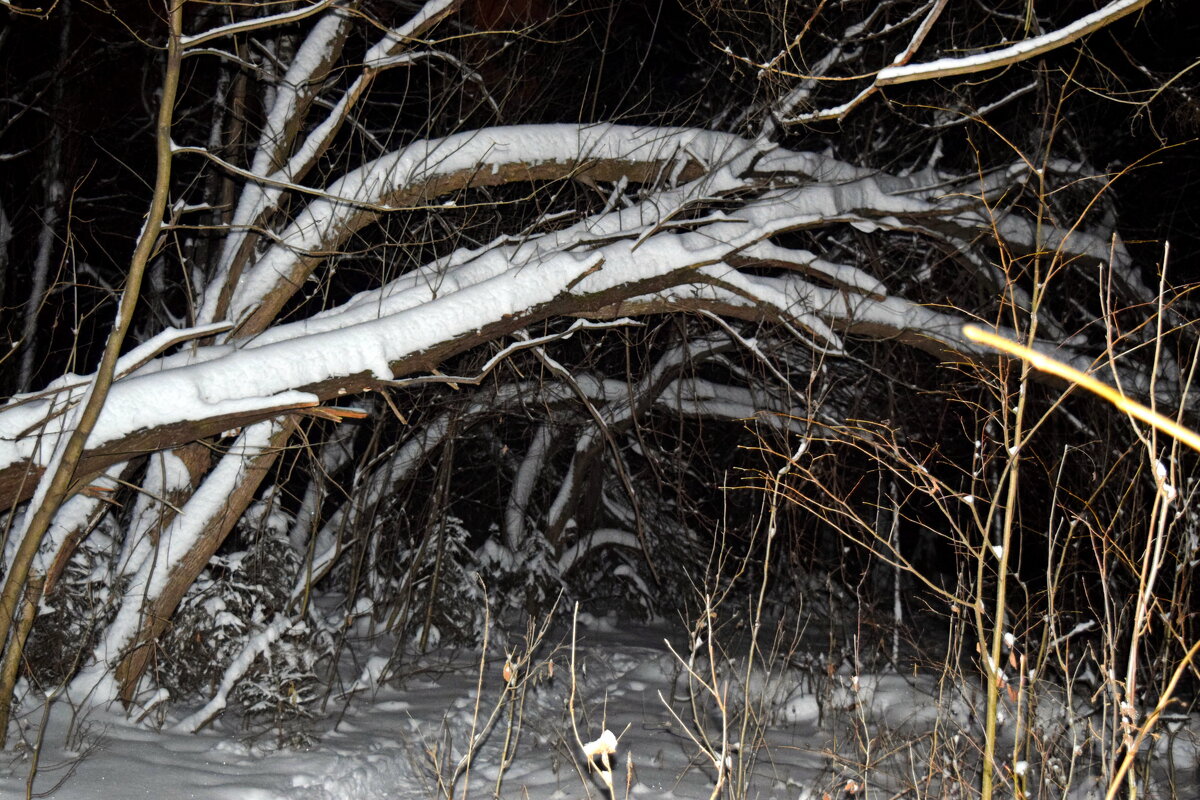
(57, 484)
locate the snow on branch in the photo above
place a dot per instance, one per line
(601, 537)
(901, 71)
(296, 90)
(257, 645)
(150, 577)
(840, 112)
(523, 485)
(697, 397)
(245, 26)
(1020, 51)
(429, 14)
(612, 264)
(272, 170)
(413, 176)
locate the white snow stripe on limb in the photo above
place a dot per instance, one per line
(321, 562)
(271, 149)
(478, 288)
(141, 403)
(255, 24)
(256, 199)
(774, 213)
(478, 152)
(523, 485)
(700, 397)
(166, 475)
(428, 14)
(601, 537)
(1019, 51)
(302, 72)
(842, 274)
(75, 516)
(903, 57)
(126, 364)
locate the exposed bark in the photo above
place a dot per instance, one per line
(11, 664)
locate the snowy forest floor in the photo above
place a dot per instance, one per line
(819, 732)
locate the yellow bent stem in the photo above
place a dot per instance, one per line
(1045, 363)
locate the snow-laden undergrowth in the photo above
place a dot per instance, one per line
(817, 728)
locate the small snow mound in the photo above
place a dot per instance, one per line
(605, 624)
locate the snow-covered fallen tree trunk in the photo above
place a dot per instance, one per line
(653, 257)
(683, 247)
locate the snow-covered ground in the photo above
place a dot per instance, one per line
(814, 731)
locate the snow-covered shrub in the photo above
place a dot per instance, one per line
(524, 582)
(72, 615)
(234, 597)
(282, 690)
(440, 599)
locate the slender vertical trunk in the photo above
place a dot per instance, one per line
(57, 484)
(5, 238)
(52, 200)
